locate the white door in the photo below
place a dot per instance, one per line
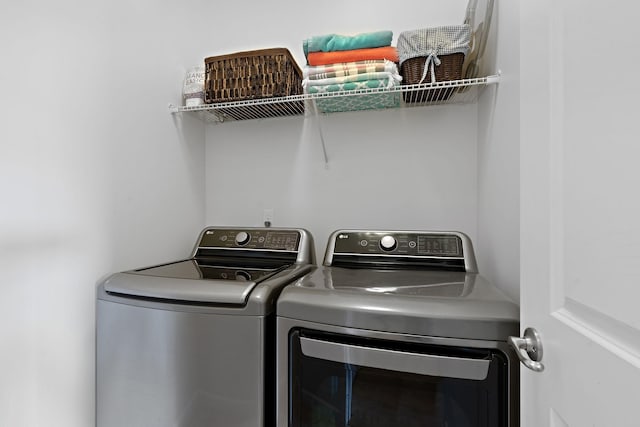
(580, 210)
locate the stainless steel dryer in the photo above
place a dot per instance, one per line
(397, 329)
(192, 343)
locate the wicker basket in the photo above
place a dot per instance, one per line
(446, 45)
(254, 74)
(412, 70)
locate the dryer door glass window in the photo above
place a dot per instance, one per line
(339, 381)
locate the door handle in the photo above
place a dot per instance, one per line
(529, 349)
(415, 363)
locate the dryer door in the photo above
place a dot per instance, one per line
(342, 381)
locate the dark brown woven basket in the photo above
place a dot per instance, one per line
(253, 74)
(450, 68)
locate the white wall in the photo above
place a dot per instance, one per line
(498, 244)
(396, 169)
(94, 177)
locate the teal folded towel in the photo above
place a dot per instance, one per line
(336, 42)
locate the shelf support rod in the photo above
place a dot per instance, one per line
(318, 117)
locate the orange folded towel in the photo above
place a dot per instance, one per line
(323, 58)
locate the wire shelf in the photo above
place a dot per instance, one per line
(449, 92)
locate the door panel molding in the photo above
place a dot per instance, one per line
(567, 276)
(617, 337)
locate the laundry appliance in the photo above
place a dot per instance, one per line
(192, 342)
(396, 329)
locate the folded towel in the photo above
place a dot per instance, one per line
(361, 100)
(323, 58)
(351, 86)
(348, 69)
(383, 75)
(336, 42)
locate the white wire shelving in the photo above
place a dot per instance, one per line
(448, 92)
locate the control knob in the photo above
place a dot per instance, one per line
(242, 238)
(388, 243)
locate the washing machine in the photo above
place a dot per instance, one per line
(396, 329)
(192, 342)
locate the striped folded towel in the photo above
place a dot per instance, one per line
(348, 69)
(383, 75)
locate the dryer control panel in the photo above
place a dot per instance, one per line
(367, 242)
(427, 248)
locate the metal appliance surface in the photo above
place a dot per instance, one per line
(397, 328)
(192, 342)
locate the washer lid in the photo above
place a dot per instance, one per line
(193, 280)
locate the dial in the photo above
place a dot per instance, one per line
(388, 243)
(242, 238)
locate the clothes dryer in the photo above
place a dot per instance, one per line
(396, 329)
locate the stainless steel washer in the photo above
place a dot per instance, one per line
(397, 328)
(192, 343)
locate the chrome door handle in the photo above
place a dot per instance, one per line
(529, 349)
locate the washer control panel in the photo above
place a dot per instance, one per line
(415, 244)
(251, 239)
